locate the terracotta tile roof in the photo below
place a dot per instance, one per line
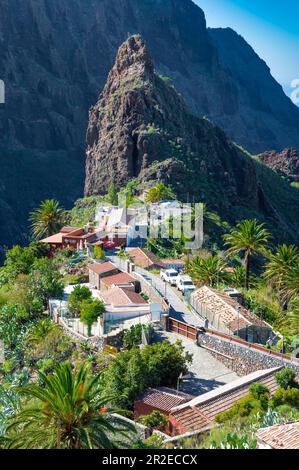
(134, 297)
(54, 239)
(209, 405)
(121, 297)
(228, 309)
(284, 436)
(163, 398)
(191, 419)
(116, 279)
(101, 268)
(144, 258)
(216, 406)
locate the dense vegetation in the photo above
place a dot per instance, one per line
(40, 360)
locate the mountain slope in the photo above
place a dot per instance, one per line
(264, 113)
(55, 56)
(140, 128)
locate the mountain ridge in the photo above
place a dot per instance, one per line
(55, 57)
(140, 128)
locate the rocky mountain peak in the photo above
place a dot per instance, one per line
(140, 128)
(133, 58)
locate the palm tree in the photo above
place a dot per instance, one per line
(291, 320)
(280, 265)
(66, 413)
(248, 237)
(159, 193)
(291, 282)
(47, 219)
(40, 331)
(209, 271)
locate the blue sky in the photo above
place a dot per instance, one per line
(270, 26)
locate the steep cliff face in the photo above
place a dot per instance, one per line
(55, 56)
(140, 128)
(285, 163)
(263, 115)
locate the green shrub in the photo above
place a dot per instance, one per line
(8, 366)
(133, 336)
(289, 396)
(99, 252)
(155, 420)
(261, 393)
(285, 378)
(77, 296)
(90, 311)
(75, 279)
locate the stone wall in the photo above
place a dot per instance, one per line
(242, 359)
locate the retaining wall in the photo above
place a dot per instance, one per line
(243, 359)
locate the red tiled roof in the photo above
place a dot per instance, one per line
(284, 436)
(134, 297)
(191, 419)
(122, 297)
(101, 268)
(144, 258)
(216, 406)
(116, 279)
(163, 398)
(202, 410)
(53, 239)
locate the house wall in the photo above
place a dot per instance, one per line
(175, 427)
(125, 314)
(94, 279)
(141, 409)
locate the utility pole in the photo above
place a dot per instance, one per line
(239, 310)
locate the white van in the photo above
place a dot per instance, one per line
(185, 283)
(170, 276)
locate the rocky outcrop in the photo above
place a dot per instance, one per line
(55, 56)
(141, 128)
(285, 163)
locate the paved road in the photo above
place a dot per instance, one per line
(205, 372)
(179, 309)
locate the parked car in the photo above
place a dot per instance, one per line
(185, 283)
(170, 276)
